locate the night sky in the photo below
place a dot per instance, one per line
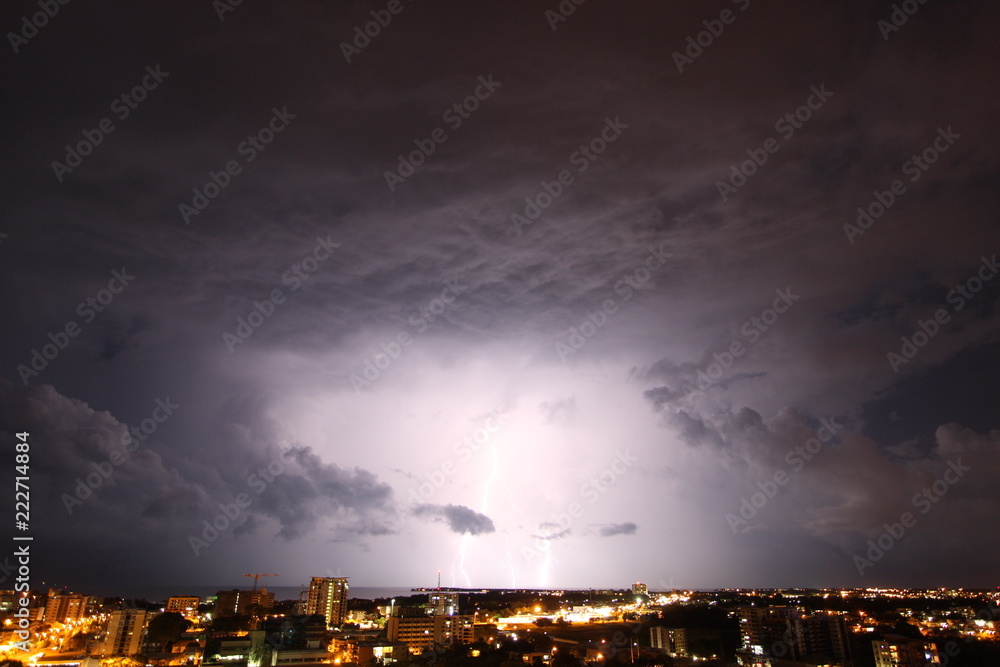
(536, 294)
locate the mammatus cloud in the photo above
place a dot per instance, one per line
(460, 519)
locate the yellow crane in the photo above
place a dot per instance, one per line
(257, 575)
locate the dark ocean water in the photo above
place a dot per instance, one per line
(154, 593)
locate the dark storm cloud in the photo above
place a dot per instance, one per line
(460, 519)
(91, 476)
(612, 529)
(655, 187)
(323, 489)
(835, 493)
(693, 430)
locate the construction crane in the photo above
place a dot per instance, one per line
(257, 575)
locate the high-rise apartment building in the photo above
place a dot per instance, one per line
(235, 602)
(125, 632)
(62, 607)
(442, 604)
(897, 651)
(328, 597)
(262, 597)
(456, 629)
(822, 635)
(232, 602)
(672, 641)
(789, 633)
(766, 630)
(185, 605)
(639, 588)
(420, 632)
(658, 637)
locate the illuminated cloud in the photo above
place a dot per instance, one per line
(460, 519)
(452, 317)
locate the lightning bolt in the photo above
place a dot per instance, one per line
(510, 561)
(495, 459)
(461, 559)
(459, 562)
(464, 542)
(494, 473)
(548, 562)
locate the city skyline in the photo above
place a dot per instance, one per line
(534, 296)
(287, 594)
(749, 628)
